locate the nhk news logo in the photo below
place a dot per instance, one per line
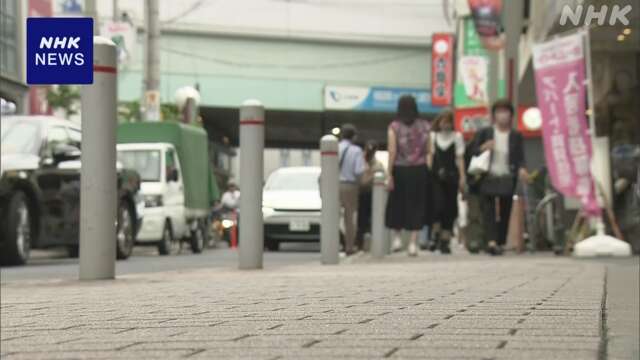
(59, 50)
(586, 15)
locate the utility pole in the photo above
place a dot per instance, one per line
(152, 65)
(116, 16)
(494, 76)
(513, 20)
(91, 11)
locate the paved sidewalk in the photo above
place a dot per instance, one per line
(463, 307)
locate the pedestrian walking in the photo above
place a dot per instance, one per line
(352, 165)
(372, 165)
(408, 145)
(446, 160)
(497, 186)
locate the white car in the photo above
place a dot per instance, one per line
(291, 206)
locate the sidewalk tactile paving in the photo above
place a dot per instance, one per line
(513, 307)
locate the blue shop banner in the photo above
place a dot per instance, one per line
(375, 99)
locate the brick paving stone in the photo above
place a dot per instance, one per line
(529, 307)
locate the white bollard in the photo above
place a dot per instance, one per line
(601, 245)
(329, 191)
(98, 181)
(251, 242)
(379, 246)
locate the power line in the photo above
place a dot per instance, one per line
(352, 3)
(345, 64)
(195, 6)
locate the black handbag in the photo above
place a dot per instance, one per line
(497, 185)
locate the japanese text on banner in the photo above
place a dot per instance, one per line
(560, 86)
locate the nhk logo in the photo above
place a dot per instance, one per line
(53, 58)
(616, 14)
(59, 50)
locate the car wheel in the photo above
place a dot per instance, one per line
(197, 239)
(124, 235)
(17, 228)
(168, 244)
(272, 244)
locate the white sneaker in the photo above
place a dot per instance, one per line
(412, 249)
(396, 244)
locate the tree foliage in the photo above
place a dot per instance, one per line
(64, 97)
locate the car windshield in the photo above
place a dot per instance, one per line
(145, 162)
(295, 181)
(20, 137)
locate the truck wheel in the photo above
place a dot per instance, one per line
(272, 244)
(73, 251)
(168, 245)
(17, 228)
(197, 239)
(124, 234)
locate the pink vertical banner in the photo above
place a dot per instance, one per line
(560, 86)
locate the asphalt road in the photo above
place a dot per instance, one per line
(54, 264)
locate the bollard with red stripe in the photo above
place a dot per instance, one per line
(379, 245)
(98, 188)
(251, 241)
(329, 192)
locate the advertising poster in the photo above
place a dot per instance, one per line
(560, 86)
(470, 90)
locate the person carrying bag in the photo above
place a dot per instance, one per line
(497, 185)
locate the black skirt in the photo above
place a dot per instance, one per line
(408, 206)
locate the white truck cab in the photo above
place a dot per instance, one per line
(165, 223)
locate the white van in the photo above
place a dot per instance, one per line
(166, 220)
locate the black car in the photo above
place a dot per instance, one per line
(40, 190)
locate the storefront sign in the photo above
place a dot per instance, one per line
(469, 121)
(442, 69)
(70, 7)
(377, 99)
(59, 50)
(560, 77)
(38, 104)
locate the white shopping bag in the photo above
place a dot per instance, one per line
(480, 164)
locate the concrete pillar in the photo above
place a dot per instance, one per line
(251, 246)
(98, 182)
(379, 246)
(329, 191)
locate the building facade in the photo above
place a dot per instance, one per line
(13, 88)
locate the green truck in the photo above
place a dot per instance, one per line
(178, 184)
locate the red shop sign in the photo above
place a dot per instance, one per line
(470, 120)
(442, 48)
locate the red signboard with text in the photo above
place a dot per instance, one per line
(38, 104)
(442, 48)
(468, 121)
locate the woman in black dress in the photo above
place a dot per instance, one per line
(446, 159)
